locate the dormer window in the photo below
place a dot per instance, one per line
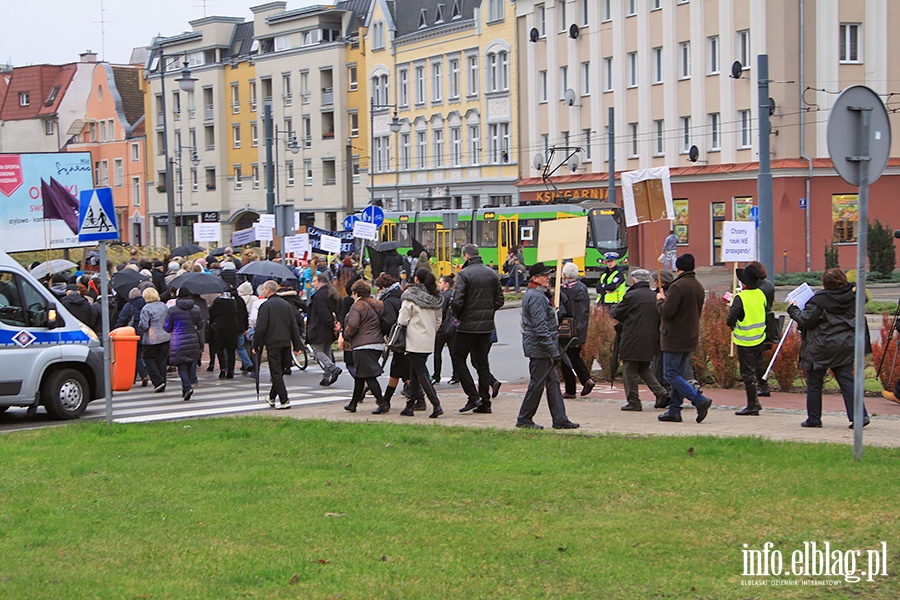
(439, 17)
(24, 99)
(457, 10)
(423, 18)
(54, 92)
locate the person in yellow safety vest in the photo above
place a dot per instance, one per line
(612, 283)
(747, 319)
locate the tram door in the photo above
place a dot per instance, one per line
(580, 259)
(508, 237)
(388, 231)
(444, 251)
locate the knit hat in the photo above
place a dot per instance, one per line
(174, 266)
(685, 262)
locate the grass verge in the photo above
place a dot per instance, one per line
(278, 508)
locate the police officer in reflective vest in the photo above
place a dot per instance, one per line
(612, 283)
(747, 319)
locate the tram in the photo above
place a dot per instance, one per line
(496, 230)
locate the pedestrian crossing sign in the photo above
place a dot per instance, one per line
(97, 217)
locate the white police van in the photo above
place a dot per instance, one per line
(47, 356)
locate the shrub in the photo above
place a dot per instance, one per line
(600, 339)
(716, 336)
(787, 366)
(831, 256)
(888, 374)
(882, 258)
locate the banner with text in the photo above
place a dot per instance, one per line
(315, 240)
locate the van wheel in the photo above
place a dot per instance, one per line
(64, 394)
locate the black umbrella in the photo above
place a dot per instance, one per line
(267, 268)
(614, 361)
(385, 246)
(376, 259)
(126, 280)
(418, 248)
(211, 257)
(200, 283)
(186, 250)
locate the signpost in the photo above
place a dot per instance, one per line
(859, 143)
(97, 223)
(349, 220)
(373, 214)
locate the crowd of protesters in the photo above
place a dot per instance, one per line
(657, 317)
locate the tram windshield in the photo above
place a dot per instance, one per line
(607, 232)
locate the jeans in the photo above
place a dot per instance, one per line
(156, 357)
(242, 353)
(188, 373)
(419, 380)
(543, 377)
(578, 369)
(675, 365)
(632, 369)
(670, 257)
(815, 379)
(479, 346)
(324, 356)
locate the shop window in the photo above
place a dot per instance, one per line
(845, 217)
(681, 220)
(742, 208)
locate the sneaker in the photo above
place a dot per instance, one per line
(529, 426)
(335, 373)
(187, 395)
(284, 405)
(435, 380)
(453, 381)
(271, 401)
(567, 425)
(703, 405)
(670, 417)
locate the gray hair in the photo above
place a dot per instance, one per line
(270, 286)
(570, 270)
(470, 250)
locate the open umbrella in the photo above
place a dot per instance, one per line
(385, 246)
(267, 268)
(57, 265)
(200, 283)
(216, 252)
(376, 258)
(126, 280)
(187, 250)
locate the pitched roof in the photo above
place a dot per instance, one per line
(45, 84)
(128, 85)
(358, 10)
(241, 40)
(409, 20)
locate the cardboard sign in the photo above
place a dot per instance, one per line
(738, 241)
(207, 232)
(330, 244)
(366, 231)
(647, 196)
(562, 238)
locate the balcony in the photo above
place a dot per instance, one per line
(327, 96)
(327, 135)
(176, 114)
(209, 113)
(235, 108)
(288, 99)
(192, 112)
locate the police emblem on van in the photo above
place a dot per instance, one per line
(24, 338)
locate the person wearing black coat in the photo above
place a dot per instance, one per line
(184, 321)
(277, 330)
(299, 304)
(639, 341)
(223, 321)
(477, 295)
(80, 308)
(320, 327)
(447, 331)
(393, 264)
(574, 302)
(828, 330)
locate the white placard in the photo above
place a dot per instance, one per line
(366, 231)
(330, 244)
(801, 295)
(207, 232)
(298, 245)
(267, 220)
(244, 236)
(738, 241)
(263, 232)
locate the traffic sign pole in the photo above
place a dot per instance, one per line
(104, 307)
(859, 351)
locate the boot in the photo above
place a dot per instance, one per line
(408, 410)
(352, 406)
(753, 406)
(389, 393)
(419, 404)
(438, 411)
(633, 407)
(383, 407)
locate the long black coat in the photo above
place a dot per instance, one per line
(679, 329)
(827, 326)
(639, 317)
(223, 320)
(323, 308)
(574, 301)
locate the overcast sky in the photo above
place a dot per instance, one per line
(57, 31)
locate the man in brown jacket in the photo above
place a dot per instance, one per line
(679, 311)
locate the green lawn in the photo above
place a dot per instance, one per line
(280, 508)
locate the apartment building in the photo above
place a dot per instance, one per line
(446, 69)
(682, 74)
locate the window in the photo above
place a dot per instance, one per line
(495, 10)
(286, 95)
(585, 79)
(540, 19)
(307, 168)
(631, 8)
(195, 180)
(405, 151)
(103, 174)
(235, 99)
(684, 54)
(472, 76)
(563, 81)
(584, 12)
(210, 178)
(329, 172)
(102, 131)
(236, 135)
(437, 82)
(354, 124)
(252, 96)
(135, 191)
(456, 146)
(681, 220)
(498, 71)
(712, 44)
(307, 131)
(380, 90)
(474, 144)
(744, 116)
(849, 43)
(561, 11)
(657, 64)
(118, 172)
(289, 173)
(633, 140)
(498, 134)
(743, 47)
(715, 133)
(685, 134)
(254, 134)
(632, 69)
(845, 218)
(24, 99)
(403, 86)
(542, 86)
(545, 144)
(608, 74)
(657, 4)
(304, 87)
(48, 127)
(454, 78)
(238, 181)
(254, 175)
(282, 42)
(22, 305)
(420, 84)
(606, 10)
(135, 152)
(586, 135)
(437, 135)
(378, 35)
(352, 78)
(660, 129)
(422, 148)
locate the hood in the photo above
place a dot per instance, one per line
(417, 294)
(842, 300)
(137, 302)
(185, 303)
(393, 290)
(245, 289)
(287, 293)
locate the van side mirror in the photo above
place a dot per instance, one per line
(52, 317)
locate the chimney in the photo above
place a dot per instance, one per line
(88, 56)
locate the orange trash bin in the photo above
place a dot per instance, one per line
(123, 359)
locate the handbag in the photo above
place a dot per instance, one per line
(396, 340)
(661, 258)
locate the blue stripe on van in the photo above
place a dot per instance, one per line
(45, 338)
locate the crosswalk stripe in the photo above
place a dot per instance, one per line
(216, 410)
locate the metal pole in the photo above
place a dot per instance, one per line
(859, 350)
(372, 150)
(270, 168)
(611, 194)
(766, 238)
(104, 319)
(170, 192)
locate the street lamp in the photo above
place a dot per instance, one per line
(291, 144)
(395, 127)
(186, 83)
(195, 161)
